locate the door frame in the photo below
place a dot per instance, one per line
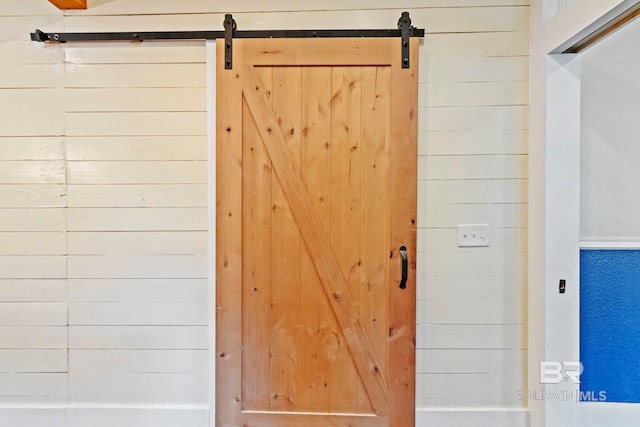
(554, 206)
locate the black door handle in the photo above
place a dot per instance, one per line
(405, 266)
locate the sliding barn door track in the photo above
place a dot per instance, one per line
(404, 31)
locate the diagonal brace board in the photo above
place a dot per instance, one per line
(317, 242)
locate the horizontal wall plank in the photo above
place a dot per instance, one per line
(138, 337)
(32, 267)
(477, 142)
(33, 388)
(33, 313)
(138, 290)
(473, 45)
(30, 220)
(42, 337)
(27, 52)
(151, 7)
(138, 313)
(471, 337)
(139, 361)
(32, 76)
(473, 191)
(21, 124)
(32, 172)
(474, 94)
(473, 263)
(496, 166)
(440, 67)
(135, 75)
(138, 266)
(33, 361)
(148, 195)
(440, 215)
(141, 243)
(33, 290)
(137, 148)
(137, 172)
(502, 240)
(136, 123)
(471, 312)
(135, 99)
(31, 101)
(470, 390)
(156, 416)
(470, 361)
(153, 388)
(156, 52)
(503, 288)
(39, 148)
(137, 219)
(19, 27)
(435, 20)
(498, 118)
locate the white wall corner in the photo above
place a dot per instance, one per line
(562, 234)
(537, 203)
(211, 203)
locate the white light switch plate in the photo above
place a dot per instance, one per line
(473, 235)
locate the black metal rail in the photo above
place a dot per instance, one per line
(404, 29)
(41, 36)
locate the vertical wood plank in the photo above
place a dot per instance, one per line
(346, 149)
(256, 263)
(229, 241)
(320, 333)
(286, 247)
(403, 157)
(376, 206)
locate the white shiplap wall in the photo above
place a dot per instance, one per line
(103, 208)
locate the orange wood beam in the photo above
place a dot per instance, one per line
(70, 4)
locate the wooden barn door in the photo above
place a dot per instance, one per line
(316, 195)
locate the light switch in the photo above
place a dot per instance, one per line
(473, 235)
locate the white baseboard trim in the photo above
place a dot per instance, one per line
(472, 417)
(198, 416)
(106, 416)
(598, 414)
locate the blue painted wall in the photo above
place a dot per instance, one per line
(610, 323)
